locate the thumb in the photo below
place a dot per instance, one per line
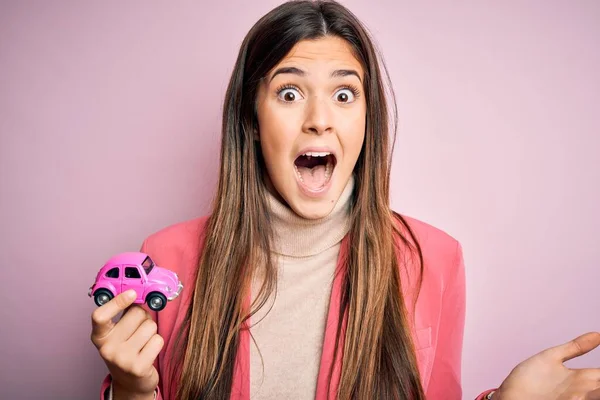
(576, 347)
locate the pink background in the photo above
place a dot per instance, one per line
(109, 122)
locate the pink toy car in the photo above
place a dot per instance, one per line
(154, 285)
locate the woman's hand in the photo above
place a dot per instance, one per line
(544, 377)
(128, 347)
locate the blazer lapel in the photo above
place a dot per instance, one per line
(323, 388)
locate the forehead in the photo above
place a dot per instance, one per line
(330, 52)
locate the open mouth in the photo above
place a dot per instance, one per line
(314, 169)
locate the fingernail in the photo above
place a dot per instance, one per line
(131, 294)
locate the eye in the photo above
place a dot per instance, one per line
(346, 95)
(289, 94)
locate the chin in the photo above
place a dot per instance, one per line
(311, 209)
(311, 206)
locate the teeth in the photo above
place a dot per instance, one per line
(316, 154)
(299, 174)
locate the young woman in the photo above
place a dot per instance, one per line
(302, 283)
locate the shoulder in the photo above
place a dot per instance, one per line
(177, 246)
(434, 241)
(442, 253)
(178, 235)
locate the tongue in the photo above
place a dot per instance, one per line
(314, 177)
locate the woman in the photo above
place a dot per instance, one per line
(302, 283)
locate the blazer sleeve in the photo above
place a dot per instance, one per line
(445, 382)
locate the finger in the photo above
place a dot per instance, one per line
(590, 374)
(151, 349)
(102, 317)
(133, 318)
(141, 336)
(576, 347)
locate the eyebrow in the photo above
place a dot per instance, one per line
(338, 73)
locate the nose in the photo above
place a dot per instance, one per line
(319, 118)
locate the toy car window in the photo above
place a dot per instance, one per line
(148, 264)
(113, 273)
(132, 272)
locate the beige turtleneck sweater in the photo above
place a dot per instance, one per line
(289, 329)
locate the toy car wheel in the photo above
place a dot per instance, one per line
(102, 296)
(156, 301)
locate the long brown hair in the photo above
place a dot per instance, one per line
(378, 356)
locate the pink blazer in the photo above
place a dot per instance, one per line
(439, 313)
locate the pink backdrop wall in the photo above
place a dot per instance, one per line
(109, 122)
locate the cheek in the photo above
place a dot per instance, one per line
(354, 136)
(275, 144)
(278, 130)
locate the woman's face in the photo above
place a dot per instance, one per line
(311, 116)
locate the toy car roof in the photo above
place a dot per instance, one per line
(132, 258)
